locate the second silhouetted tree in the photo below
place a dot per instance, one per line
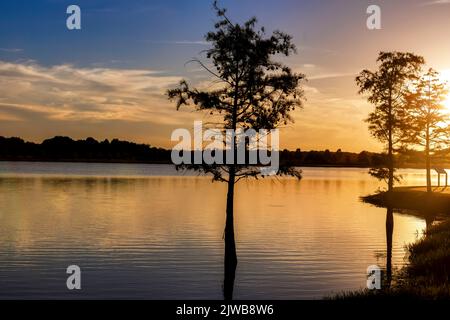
(386, 88)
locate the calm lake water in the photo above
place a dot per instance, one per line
(145, 231)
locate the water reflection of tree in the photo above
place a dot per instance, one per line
(228, 282)
(389, 234)
(430, 218)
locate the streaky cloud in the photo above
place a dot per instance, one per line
(11, 50)
(434, 3)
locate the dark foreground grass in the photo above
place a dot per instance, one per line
(430, 257)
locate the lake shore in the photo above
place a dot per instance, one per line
(427, 274)
(415, 198)
(426, 277)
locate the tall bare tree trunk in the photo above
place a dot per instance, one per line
(230, 260)
(427, 159)
(390, 151)
(390, 166)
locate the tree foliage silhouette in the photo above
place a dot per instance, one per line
(252, 92)
(425, 122)
(386, 88)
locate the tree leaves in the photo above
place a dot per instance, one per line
(258, 92)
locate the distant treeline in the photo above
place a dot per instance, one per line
(91, 150)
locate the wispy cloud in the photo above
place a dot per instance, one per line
(11, 50)
(310, 90)
(203, 43)
(182, 42)
(65, 92)
(331, 75)
(433, 3)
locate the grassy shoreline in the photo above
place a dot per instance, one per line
(425, 277)
(427, 274)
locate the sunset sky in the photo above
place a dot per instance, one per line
(108, 79)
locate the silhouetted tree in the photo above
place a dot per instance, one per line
(426, 121)
(255, 92)
(386, 88)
